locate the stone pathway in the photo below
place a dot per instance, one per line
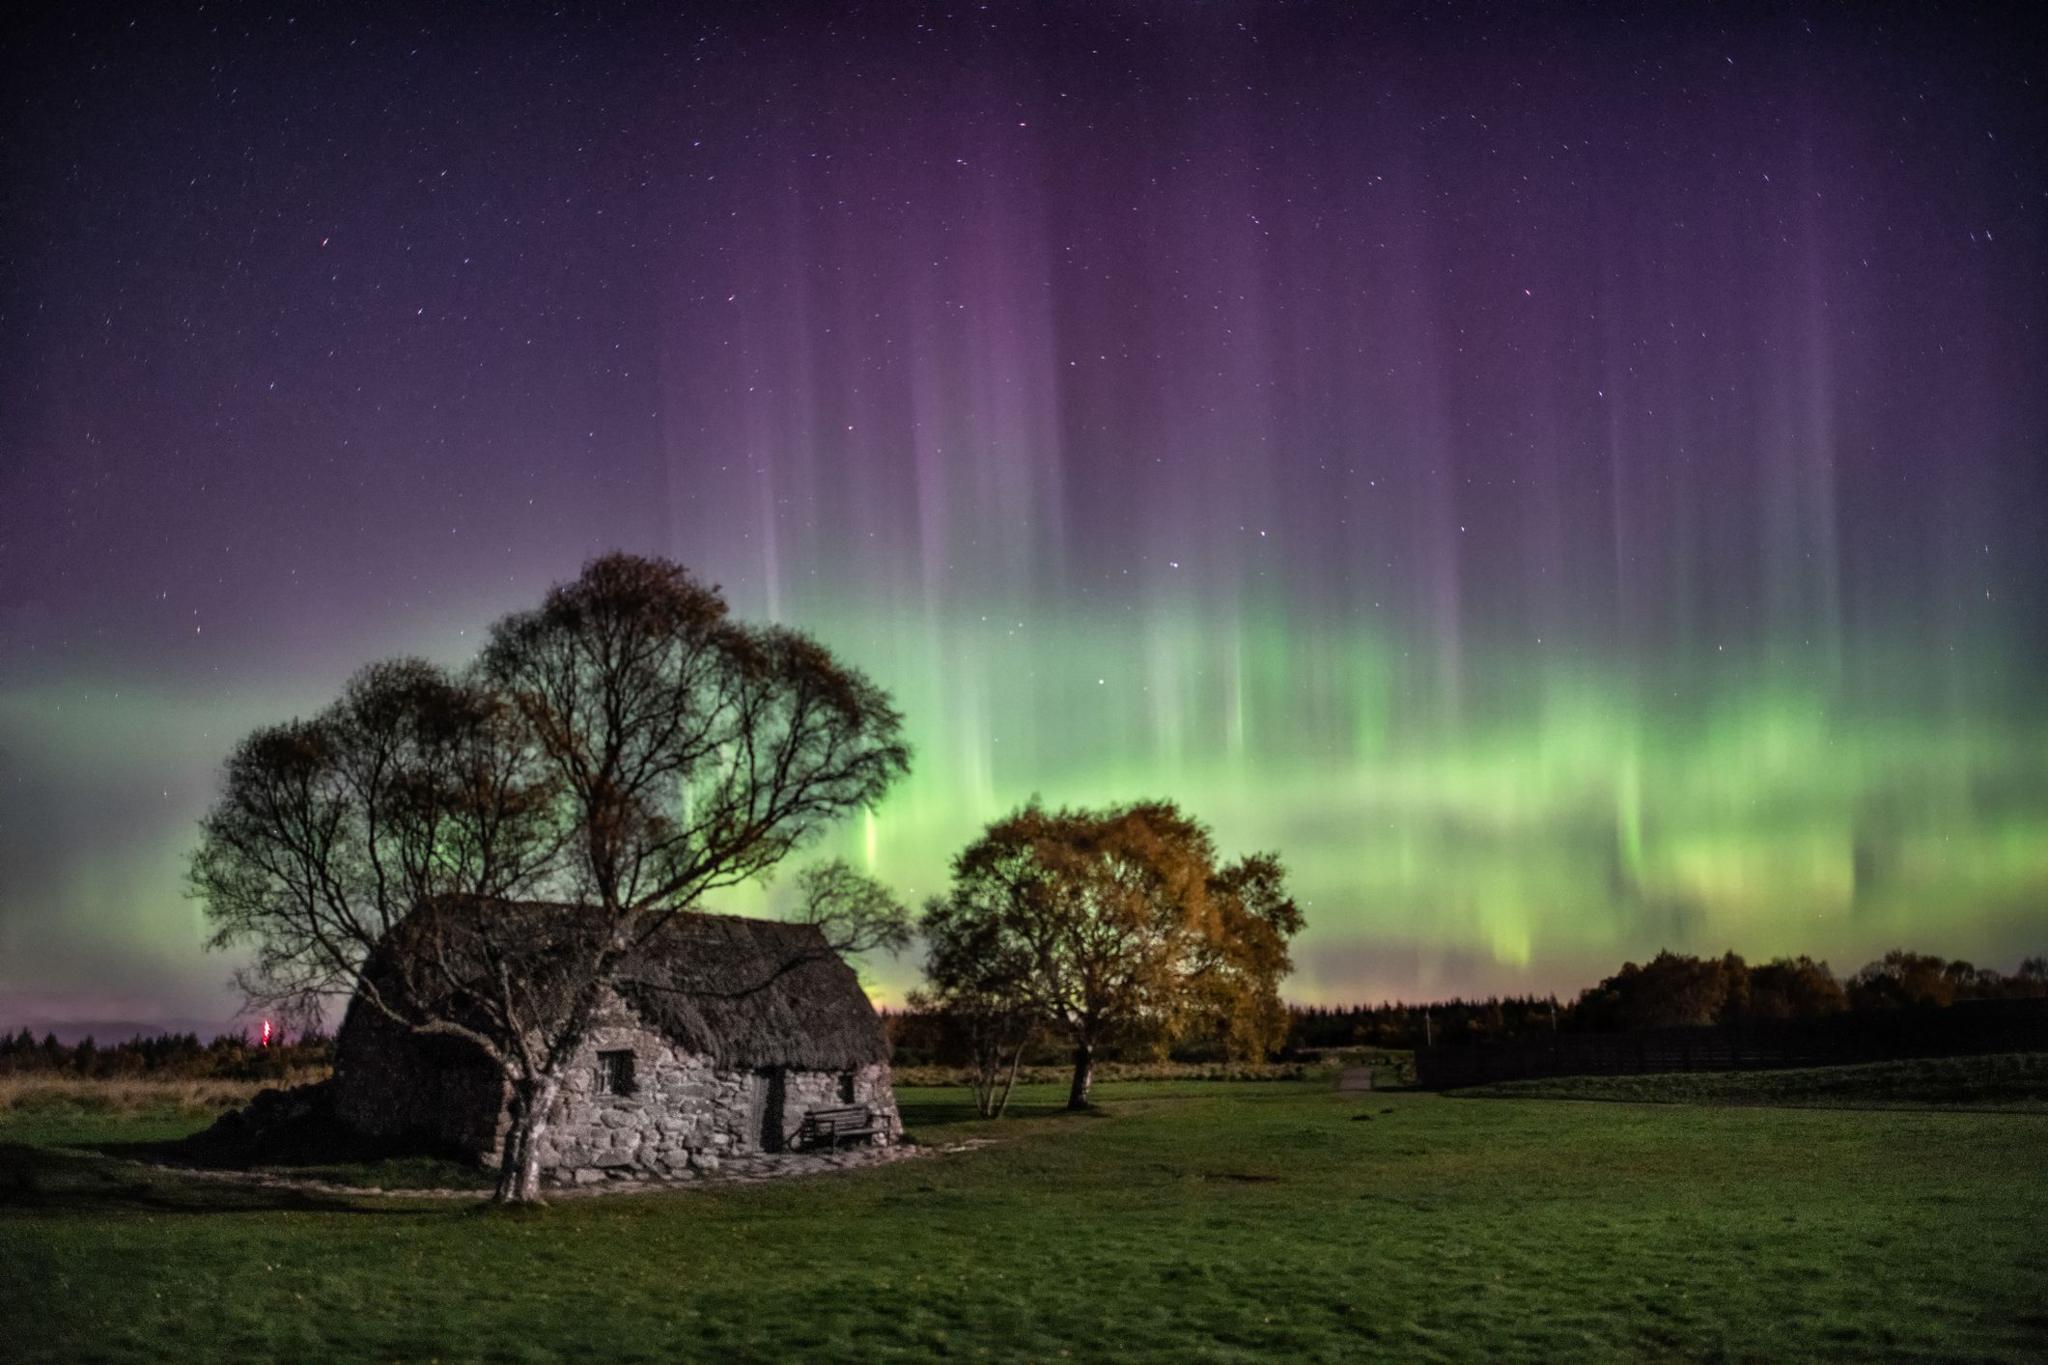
(742, 1170)
(738, 1170)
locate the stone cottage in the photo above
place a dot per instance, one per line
(718, 1037)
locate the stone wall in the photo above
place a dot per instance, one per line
(393, 1083)
(685, 1113)
(807, 1090)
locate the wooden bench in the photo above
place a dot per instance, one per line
(833, 1126)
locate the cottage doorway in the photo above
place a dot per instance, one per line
(773, 1089)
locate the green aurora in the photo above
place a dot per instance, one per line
(1556, 820)
(1571, 487)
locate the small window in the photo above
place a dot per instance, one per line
(615, 1073)
(846, 1087)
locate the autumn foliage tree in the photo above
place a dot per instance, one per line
(626, 746)
(1794, 988)
(1243, 955)
(1103, 923)
(1901, 977)
(1671, 990)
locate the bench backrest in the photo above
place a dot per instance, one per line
(854, 1116)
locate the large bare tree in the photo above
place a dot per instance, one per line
(414, 789)
(626, 746)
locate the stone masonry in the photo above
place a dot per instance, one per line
(715, 1038)
(686, 1114)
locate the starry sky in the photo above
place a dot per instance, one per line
(1571, 479)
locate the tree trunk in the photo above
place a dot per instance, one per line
(986, 1101)
(1010, 1081)
(1084, 1075)
(534, 1095)
(986, 1067)
(519, 1170)
(512, 1159)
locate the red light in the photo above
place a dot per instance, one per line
(266, 1033)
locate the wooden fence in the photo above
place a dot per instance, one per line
(1966, 1029)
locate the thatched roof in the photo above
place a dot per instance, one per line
(754, 993)
(749, 993)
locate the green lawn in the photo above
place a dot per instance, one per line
(2014, 1081)
(1205, 1221)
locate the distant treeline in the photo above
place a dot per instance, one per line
(1674, 990)
(167, 1056)
(1402, 1025)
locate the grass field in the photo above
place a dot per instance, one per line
(1196, 1221)
(134, 1096)
(2009, 1081)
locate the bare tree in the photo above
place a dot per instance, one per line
(854, 912)
(626, 746)
(412, 789)
(978, 973)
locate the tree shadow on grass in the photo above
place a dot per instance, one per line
(43, 1180)
(932, 1120)
(337, 1158)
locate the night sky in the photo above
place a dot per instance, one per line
(1573, 482)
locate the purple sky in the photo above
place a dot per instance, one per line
(1573, 481)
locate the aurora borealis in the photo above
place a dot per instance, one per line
(1573, 483)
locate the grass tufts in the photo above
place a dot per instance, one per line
(2013, 1080)
(35, 1093)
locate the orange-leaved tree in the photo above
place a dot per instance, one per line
(1107, 922)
